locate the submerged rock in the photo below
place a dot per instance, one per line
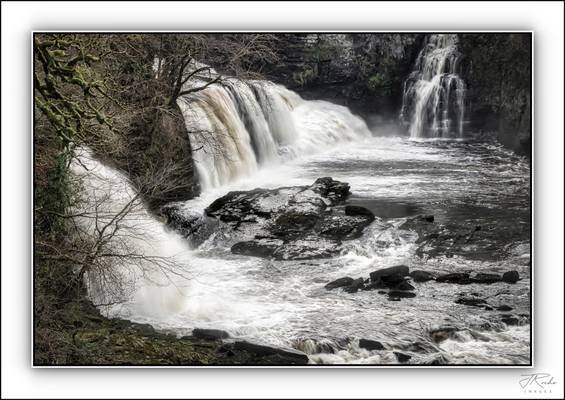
(511, 277)
(353, 210)
(354, 286)
(400, 294)
(504, 307)
(257, 247)
(471, 301)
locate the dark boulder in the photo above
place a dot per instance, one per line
(331, 189)
(510, 320)
(370, 344)
(461, 278)
(377, 275)
(404, 286)
(345, 281)
(352, 210)
(290, 356)
(504, 307)
(210, 334)
(511, 277)
(421, 276)
(440, 334)
(392, 280)
(486, 278)
(401, 357)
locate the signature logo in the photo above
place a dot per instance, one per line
(537, 383)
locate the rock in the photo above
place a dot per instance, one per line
(329, 188)
(293, 224)
(401, 357)
(392, 280)
(511, 277)
(401, 270)
(400, 294)
(510, 320)
(443, 333)
(352, 210)
(290, 356)
(354, 286)
(370, 344)
(307, 249)
(486, 278)
(209, 334)
(421, 276)
(258, 247)
(461, 278)
(345, 281)
(504, 307)
(471, 301)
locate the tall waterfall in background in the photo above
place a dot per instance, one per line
(433, 102)
(238, 126)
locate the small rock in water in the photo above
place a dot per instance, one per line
(469, 301)
(504, 307)
(290, 356)
(404, 286)
(421, 276)
(370, 344)
(401, 357)
(401, 270)
(457, 277)
(209, 334)
(510, 320)
(345, 281)
(511, 277)
(486, 278)
(441, 334)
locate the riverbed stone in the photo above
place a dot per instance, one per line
(511, 277)
(379, 274)
(345, 281)
(457, 277)
(370, 344)
(486, 278)
(421, 276)
(290, 356)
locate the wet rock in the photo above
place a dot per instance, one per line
(377, 275)
(352, 210)
(210, 334)
(421, 276)
(331, 189)
(392, 280)
(461, 278)
(370, 344)
(307, 249)
(511, 277)
(486, 278)
(471, 301)
(510, 319)
(504, 307)
(258, 247)
(289, 356)
(341, 282)
(294, 224)
(354, 286)
(401, 357)
(401, 294)
(443, 333)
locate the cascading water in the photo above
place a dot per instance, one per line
(433, 101)
(240, 125)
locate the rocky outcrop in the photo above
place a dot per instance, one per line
(292, 223)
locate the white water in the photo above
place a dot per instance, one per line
(239, 126)
(433, 103)
(284, 303)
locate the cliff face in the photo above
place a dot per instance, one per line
(363, 71)
(366, 73)
(498, 75)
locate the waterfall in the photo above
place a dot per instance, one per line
(433, 101)
(239, 126)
